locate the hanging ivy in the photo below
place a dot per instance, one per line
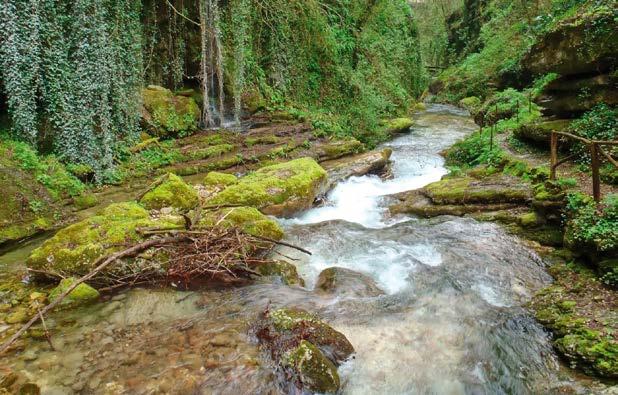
(72, 71)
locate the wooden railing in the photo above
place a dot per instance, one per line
(595, 147)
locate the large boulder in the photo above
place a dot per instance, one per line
(167, 115)
(74, 250)
(306, 348)
(345, 282)
(282, 190)
(498, 188)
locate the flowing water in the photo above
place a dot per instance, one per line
(451, 319)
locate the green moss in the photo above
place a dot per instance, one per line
(279, 189)
(82, 294)
(219, 179)
(398, 125)
(208, 152)
(495, 189)
(172, 192)
(265, 140)
(284, 270)
(73, 250)
(339, 148)
(529, 220)
(85, 201)
(169, 115)
(472, 104)
(249, 219)
(316, 372)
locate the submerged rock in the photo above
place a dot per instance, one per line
(172, 191)
(306, 348)
(82, 294)
(284, 270)
(280, 190)
(167, 115)
(345, 282)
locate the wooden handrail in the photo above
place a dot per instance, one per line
(595, 149)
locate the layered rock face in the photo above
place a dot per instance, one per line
(583, 50)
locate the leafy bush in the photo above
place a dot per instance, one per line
(474, 150)
(592, 225)
(600, 123)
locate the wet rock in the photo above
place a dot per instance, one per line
(280, 190)
(82, 294)
(345, 282)
(373, 162)
(171, 192)
(416, 203)
(306, 348)
(167, 115)
(284, 270)
(315, 372)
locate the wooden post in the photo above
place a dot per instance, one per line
(491, 140)
(554, 155)
(596, 179)
(530, 102)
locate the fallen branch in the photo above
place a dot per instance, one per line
(283, 243)
(104, 262)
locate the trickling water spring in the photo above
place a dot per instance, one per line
(451, 320)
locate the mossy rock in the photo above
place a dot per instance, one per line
(284, 270)
(85, 200)
(282, 190)
(331, 342)
(81, 295)
(397, 125)
(167, 115)
(217, 179)
(539, 133)
(171, 192)
(466, 190)
(337, 149)
(74, 250)
(315, 372)
(249, 219)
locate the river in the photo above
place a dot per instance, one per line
(452, 319)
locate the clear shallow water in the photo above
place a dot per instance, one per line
(451, 320)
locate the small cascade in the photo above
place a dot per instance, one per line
(212, 79)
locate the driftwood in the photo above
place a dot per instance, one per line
(194, 255)
(102, 264)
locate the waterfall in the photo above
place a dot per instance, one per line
(207, 119)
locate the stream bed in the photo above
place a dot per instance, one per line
(451, 319)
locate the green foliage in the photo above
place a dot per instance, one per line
(600, 123)
(474, 150)
(594, 225)
(46, 169)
